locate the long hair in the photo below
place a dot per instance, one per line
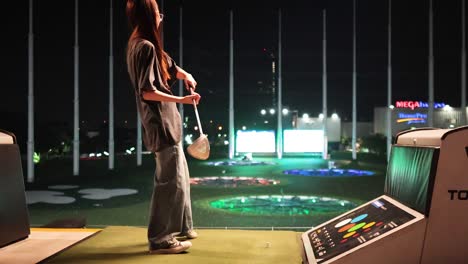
(142, 18)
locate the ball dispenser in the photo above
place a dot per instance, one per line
(422, 216)
(14, 218)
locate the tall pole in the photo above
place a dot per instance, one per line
(139, 141)
(181, 63)
(389, 82)
(279, 139)
(354, 81)
(430, 119)
(463, 69)
(139, 148)
(30, 95)
(274, 92)
(324, 86)
(76, 102)
(232, 136)
(111, 89)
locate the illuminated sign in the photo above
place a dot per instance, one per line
(416, 104)
(255, 141)
(303, 141)
(416, 118)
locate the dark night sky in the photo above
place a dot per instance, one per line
(206, 56)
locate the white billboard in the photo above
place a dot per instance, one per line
(255, 141)
(303, 141)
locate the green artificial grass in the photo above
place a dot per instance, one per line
(129, 245)
(133, 209)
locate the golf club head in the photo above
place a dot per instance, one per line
(200, 148)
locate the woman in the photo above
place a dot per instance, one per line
(152, 72)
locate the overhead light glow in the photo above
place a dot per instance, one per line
(447, 108)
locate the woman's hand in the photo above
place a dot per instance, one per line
(188, 99)
(190, 82)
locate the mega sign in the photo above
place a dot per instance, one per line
(416, 104)
(416, 118)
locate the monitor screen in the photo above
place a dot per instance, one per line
(355, 228)
(410, 176)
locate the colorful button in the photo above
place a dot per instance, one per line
(349, 234)
(368, 225)
(342, 223)
(346, 227)
(356, 227)
(359, 218)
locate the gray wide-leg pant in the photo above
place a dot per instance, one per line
(170, 210)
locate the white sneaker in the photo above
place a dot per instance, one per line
(172, 246)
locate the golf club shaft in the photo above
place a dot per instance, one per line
(196, 113)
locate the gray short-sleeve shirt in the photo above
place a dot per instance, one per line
(161, 120)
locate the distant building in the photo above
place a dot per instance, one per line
(363, 129)
(413, 114)
(315, 123)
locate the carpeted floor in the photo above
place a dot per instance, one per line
(118, 244)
